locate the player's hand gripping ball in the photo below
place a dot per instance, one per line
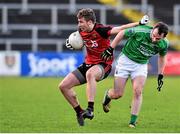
(144, 20)
(74, 41)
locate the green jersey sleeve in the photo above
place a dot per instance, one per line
(164, 45)
(129, 32)
(134, 31)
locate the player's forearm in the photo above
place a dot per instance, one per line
(116, 30)
(161, 64)
(129, 25)
(117, 39)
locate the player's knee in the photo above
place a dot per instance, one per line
(62, 87)
(137, 92)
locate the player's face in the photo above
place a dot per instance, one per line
(155, 36)
(84, 25)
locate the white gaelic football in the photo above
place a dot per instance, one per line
(75, 40)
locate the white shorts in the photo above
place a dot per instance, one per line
(126, 67)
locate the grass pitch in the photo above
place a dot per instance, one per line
(36, 105)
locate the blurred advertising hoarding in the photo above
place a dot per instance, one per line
(44, 64)
(49, 64)
(10, 63)
(172, 63)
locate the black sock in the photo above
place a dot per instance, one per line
(91, 105)
(107, 100)
(78, 109)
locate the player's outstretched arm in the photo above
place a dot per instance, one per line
(108, 53)
(161, 66)
(117, 39)
(144, 20)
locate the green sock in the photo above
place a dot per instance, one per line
(133, 119)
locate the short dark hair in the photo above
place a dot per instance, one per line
(162, 28)
(88, 14)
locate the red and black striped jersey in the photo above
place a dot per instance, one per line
(96, 42)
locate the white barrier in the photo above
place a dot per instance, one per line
(10, 63)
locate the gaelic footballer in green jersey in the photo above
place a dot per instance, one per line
(142, 43)
(140, 46)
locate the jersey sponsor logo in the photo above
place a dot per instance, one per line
(91, 43)
(149, 44)
(146, 51)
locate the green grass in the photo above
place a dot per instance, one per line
(36, 105)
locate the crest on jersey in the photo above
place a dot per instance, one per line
(94, 36)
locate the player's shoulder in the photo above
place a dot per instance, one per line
(99, 25)
(143, 29)
(103, 30)
(144, 26)
(164, 42)
(139, 30)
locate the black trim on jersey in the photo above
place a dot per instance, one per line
(103, 30)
